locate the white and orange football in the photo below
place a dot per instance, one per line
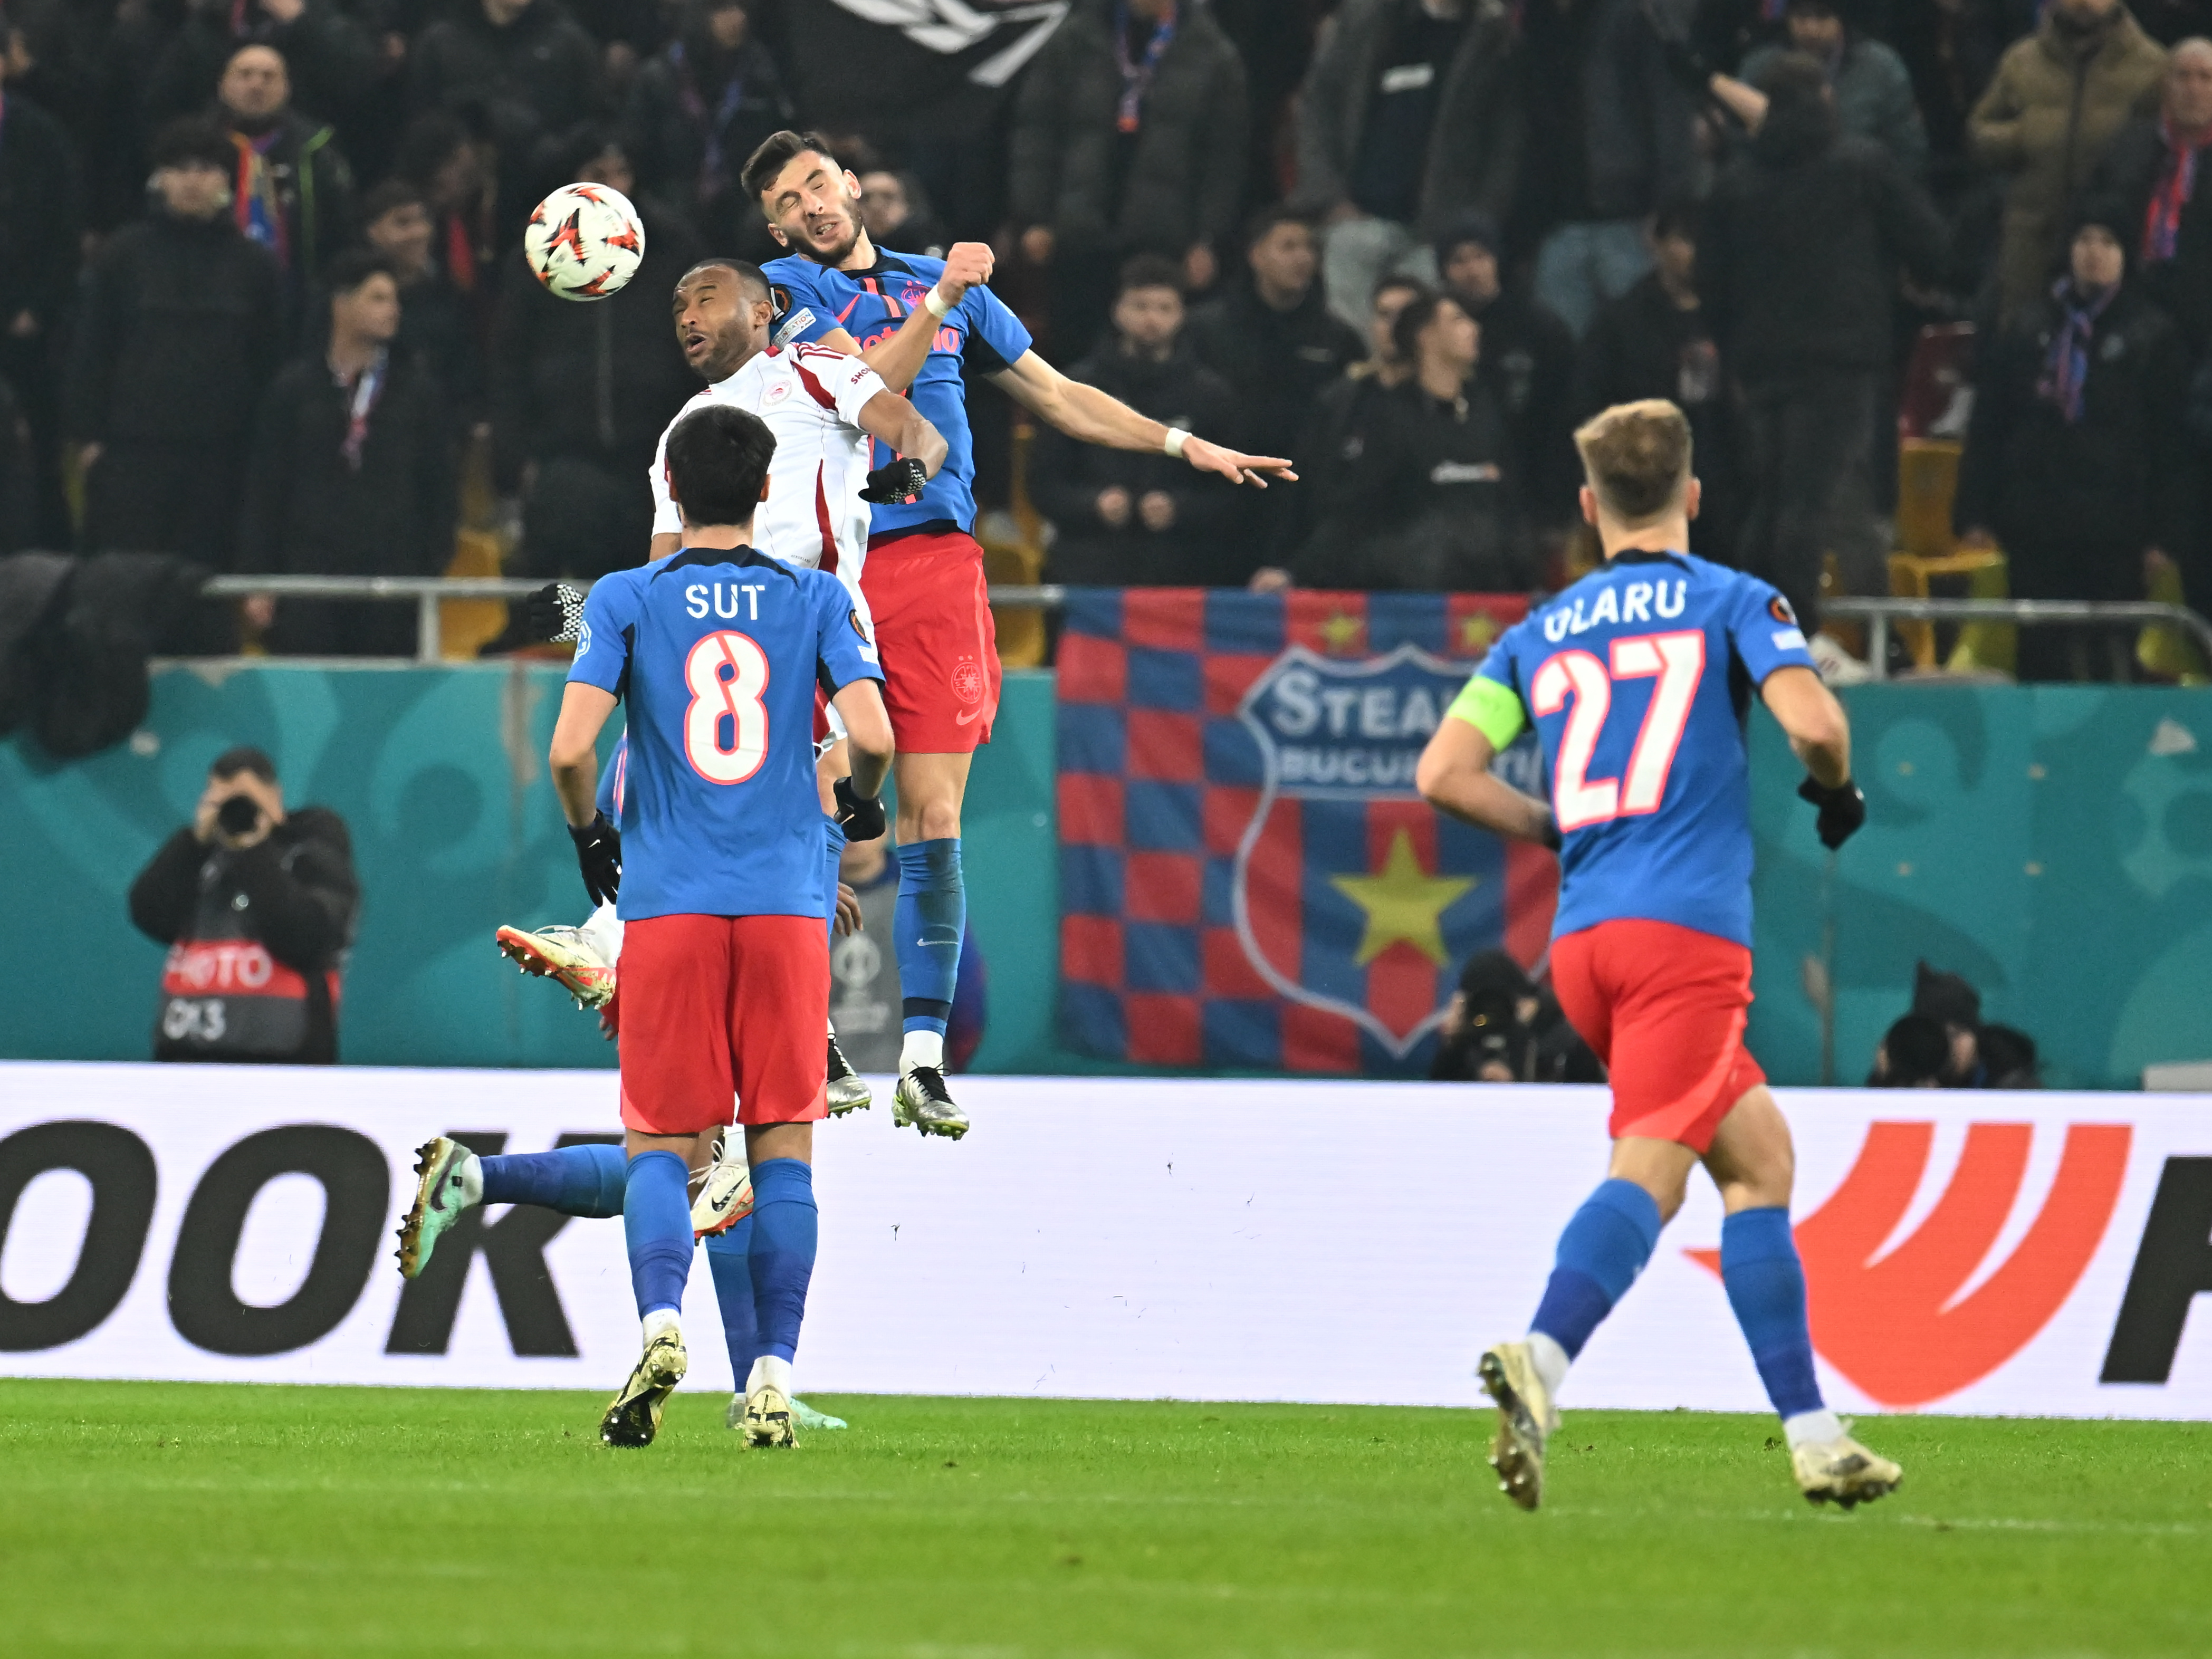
(584, 241)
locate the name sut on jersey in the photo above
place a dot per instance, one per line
(1636, 602)
(696, 597)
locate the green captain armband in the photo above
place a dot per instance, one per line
(1491, 709)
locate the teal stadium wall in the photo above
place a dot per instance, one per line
(2053, 844)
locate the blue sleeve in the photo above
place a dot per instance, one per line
(1764, 631)
(602, 641)
(845, 648)
(993, 332)
(802, 314)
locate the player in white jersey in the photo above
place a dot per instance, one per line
(824, 409)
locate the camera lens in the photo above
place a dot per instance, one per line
(238, 815)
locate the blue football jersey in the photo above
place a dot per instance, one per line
(1638, 680)
(812, 301)
(612, 776)
(718, 653)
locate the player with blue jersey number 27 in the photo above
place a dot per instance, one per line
(1638, 680)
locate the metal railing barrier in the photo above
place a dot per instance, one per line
(1878, 614)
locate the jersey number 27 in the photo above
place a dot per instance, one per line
(1677, 661)
(726, 674)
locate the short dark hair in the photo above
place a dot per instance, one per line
(751, 274)
(1261, 225)
(194, 139)
(389, 197)
(243, 757)
(1918, 1050)
(776, 152)
(718, 459)
(346, 273)
(1406, 329)
(1147, 270)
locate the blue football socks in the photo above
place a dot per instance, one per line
(780, 1254)
(726, 1253)
(1603, 1249)
(835, 852)
(657, 1226)
(583, 1181)
(931, 916)
(1766, 1284)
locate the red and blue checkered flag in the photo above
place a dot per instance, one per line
(1248, 879)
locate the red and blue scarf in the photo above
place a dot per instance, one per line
(2177, 183)
(2066, 366)
(1137, 74)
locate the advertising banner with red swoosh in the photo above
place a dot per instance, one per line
(2036, 1254)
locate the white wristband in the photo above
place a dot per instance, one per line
(1176, 439)
(934, 303)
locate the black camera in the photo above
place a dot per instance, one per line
(238, 815)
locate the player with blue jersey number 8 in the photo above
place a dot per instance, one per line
(1638, 680)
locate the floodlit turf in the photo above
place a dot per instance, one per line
(155, 1519)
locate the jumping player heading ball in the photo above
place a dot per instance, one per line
(914, 321)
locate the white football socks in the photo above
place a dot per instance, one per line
(922, 1048)
(603, 932)
(1818, 1428)
(1549, 1359)
(770, 1372)
(470, 1170)
(660, 1321)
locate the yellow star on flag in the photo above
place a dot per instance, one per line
(1475, 634)
(1342, 634)
(1403, 902)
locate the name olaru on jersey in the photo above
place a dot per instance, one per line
(811, 398)
(1638, 680)
(718, 652)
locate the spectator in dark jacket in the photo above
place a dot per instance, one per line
(1656, 341)
(292, 192)
(258, 906)
(436, 324)
(182, 327)
(1129, 138)
(525, 65)
(2159, 173)
(1126, 520)
(455, 168)
(333, 61)
(1798, 265)
(351, 473)
(580, 393)
(1409, 119)
(1529, 360)
(1429, 504)
(698, 108)
(895, 212)
(1873, 87)
(2076, 461)
(1610, 134)
(41, 222)
(1272, 336)
(18, 488)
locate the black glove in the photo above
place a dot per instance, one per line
(553, 613)
(861, 816)
(1843, 810)
(897, 484)
(598, 855)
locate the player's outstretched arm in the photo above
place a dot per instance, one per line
(868, 734)
(1454, 777)
(898, 359)
(1092, 416)
(574, 756)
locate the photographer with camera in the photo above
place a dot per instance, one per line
(258, 906)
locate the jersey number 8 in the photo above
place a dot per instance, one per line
(1678, 662)
(726, 674)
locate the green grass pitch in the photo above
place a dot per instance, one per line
(158, 1518)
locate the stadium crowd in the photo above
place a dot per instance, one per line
(264, 306)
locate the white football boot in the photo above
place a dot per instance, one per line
(565, 954)
(1842, 1471)
(1526, 1420)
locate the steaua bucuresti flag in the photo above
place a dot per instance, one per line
(1248, 879)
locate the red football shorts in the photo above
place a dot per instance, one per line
(1664, 1008)
(714, 1006)
(938, 644)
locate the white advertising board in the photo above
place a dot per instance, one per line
(2032, 1253)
